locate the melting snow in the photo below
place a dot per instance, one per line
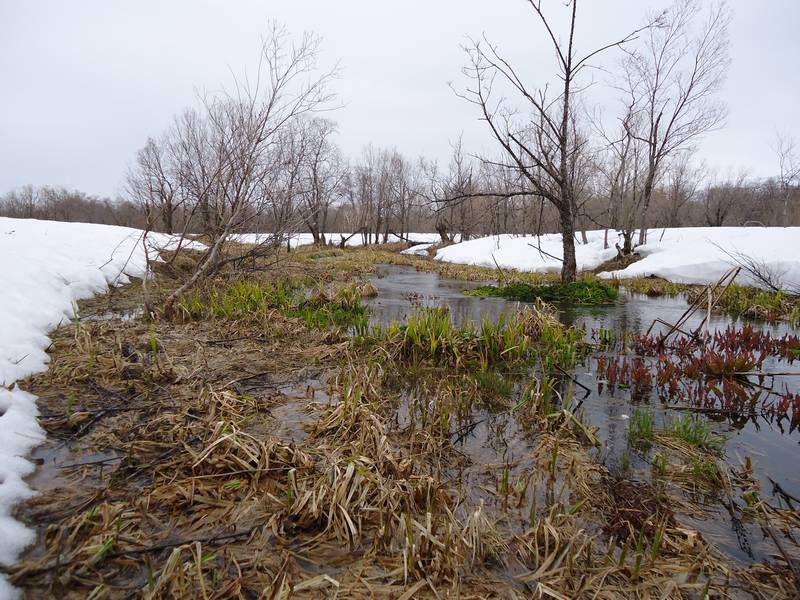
(683, 255)
(46, 266)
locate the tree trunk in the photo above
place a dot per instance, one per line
(315, 234)
(205, 214)
(441, 229)
(569, 267)
(168, 217)
(648, 192)
(627, 244)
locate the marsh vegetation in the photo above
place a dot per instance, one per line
(337, 426)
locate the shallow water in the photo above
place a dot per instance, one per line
(497, 436)
(402, 289)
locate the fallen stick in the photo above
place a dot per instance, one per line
(575, 381)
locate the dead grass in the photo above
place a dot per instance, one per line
(168, 475)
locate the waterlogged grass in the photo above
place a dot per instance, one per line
(586, 292)
(742, 301)
(660, 464)
(695, 432)
(495, 383)
(530, 335)
(738, 300)
(430, 334)
(421, 491)
(640, 428)
(559, 345)
(651, 286)
(704, 470)
(340, 308)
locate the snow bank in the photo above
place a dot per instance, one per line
(683, 255)
(306, 239)
(704, 254)
(45, 267)
(541, 254)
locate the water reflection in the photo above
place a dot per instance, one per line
(773, 451)
(402, 289)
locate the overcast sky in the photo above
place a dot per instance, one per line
(84, 82)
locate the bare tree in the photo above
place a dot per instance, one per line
(720, 198)
(620, 165)
(455, 195)
(789, 175)
(322, 172)
(681, 187)
(153, 184)
(543, 145)
(674, 78)
(231, 158)
(62, 204)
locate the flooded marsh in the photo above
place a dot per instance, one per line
(366, 430)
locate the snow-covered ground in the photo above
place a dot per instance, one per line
(683, 255)
(45, 267)
(419, 249)
(306, 239)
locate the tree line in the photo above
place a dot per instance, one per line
(262, 156)
(689, 195)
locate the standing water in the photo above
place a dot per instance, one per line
(768, 444)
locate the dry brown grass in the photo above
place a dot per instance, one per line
(168, 475)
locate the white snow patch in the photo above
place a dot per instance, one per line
(683, 255)
(527, 253)
(46, 266)
(418, 250)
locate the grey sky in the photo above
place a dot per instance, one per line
(84, 82)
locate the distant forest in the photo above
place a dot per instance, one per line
(685, 200)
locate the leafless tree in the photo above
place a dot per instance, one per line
(153, 184)
(789, 175)
(674, 78)
(542, 145)
(62, 204)
(681, 186)
(620, 163)
(455, 195)
(405, 181)
(231, 158)
(721, 197)
(322, 172)
(381, 192)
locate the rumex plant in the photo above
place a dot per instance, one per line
(722, 372)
